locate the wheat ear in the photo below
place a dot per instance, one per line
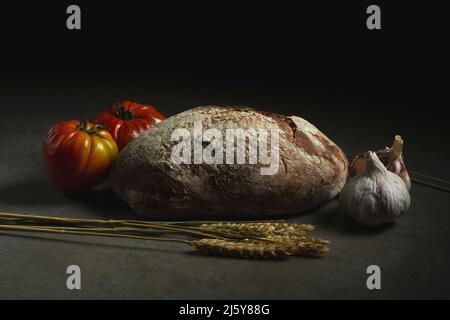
(257, 229)
(258, 249)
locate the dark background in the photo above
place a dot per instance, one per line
(360, 87)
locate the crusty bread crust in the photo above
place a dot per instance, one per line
(312, 170)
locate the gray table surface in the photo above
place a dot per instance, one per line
(413, 254)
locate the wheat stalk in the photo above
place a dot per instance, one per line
(252, 240)
(85, 231)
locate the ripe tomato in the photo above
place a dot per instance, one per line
(78, 155)
(126, 120)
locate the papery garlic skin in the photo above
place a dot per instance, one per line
(376, 196)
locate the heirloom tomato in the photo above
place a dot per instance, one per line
(126, 120)
(78, 155)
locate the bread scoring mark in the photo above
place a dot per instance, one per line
(291, 129)
(301, 132)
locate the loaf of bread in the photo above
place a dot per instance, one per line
(158, 178)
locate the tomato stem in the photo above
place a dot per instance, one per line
(123, 113)
(83, 127)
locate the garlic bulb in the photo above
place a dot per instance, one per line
(392, 158)
(375, 196)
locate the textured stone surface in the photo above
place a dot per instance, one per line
(312, 169)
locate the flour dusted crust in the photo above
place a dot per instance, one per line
(312, 170)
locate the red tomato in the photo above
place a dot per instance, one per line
(78, 155)
(126, 120)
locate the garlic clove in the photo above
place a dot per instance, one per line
(375, 196)
(392, 158)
